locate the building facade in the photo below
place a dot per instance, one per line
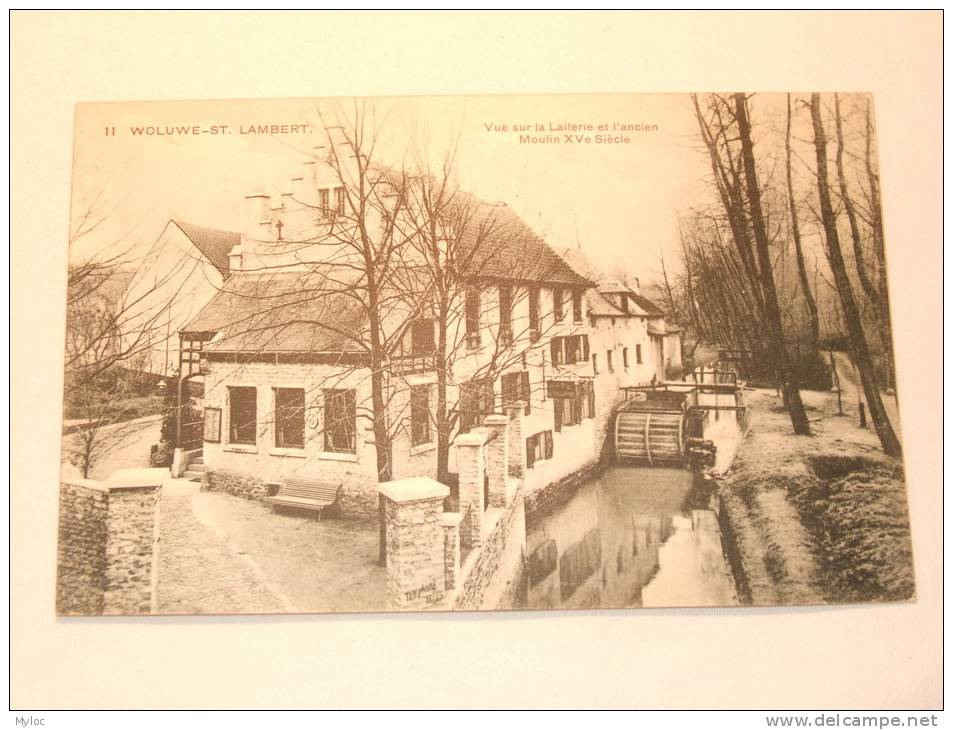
(290, 384)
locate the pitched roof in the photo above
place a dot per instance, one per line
(304, 311)
(581, 264)
(212, 242)
(651, 309)
(498, 244)
(598, 306)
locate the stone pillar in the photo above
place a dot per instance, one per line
(450, 522)
(470, 469)
(108, 536)
(415, 542)
(497, 457)
(516, 465)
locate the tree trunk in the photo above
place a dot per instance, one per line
(855, 329)
(441, 416)
(798, 249)
(876, 224)
(772, 310)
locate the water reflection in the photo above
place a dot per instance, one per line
(630, 538)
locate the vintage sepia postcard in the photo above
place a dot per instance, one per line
(477, 353)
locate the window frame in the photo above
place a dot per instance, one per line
(576, 306)
(638, 354)
(533, 298)
(349, 396)
(278, 430)
(233, 390)
(415, 396)
(559, 312)
(505, 294)
(472, 306)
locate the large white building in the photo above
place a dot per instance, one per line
(288, 384)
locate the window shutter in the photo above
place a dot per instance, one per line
(530, 453)
(524, 391)
(558, 414)
(549, 444)
(554, 350)
(592, 400)
(585, 347)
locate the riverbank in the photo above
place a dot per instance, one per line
(819, 519)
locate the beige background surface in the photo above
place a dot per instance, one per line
(873, 657)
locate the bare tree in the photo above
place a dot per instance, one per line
(852, 317)
(772, 311)
(796, 235)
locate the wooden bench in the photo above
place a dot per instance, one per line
(305, 493)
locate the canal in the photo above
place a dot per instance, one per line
(633, 537)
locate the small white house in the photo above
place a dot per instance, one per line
(182, 271)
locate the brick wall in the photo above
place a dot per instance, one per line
(107, 547)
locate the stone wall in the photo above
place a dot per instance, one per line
(546, 499)
(107, 546)
(81, 554)
(240, 484)
(416, 543)
(490, 576)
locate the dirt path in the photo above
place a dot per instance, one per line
(224, 554)
(853, 392)
(199, 572)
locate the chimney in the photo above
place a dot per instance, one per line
(257, 215)
(235, 258)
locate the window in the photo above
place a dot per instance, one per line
(242, 415)
(289, 417)
(420, 415)
(572, 349)
(213, 425)
(638, 354)
(476, 398)
(339, 200)
(625, 357)
(533, 313)
(609, 361)
(539, 446)
(506, 314)
(515, 387)
(324, 203)
(422, 337)
(340, 420)
(558, 304)
(595, 363)
(571, 406)
(473, 317)
(568, 350)
(577, 306)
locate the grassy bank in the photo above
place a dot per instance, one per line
(819, 519)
